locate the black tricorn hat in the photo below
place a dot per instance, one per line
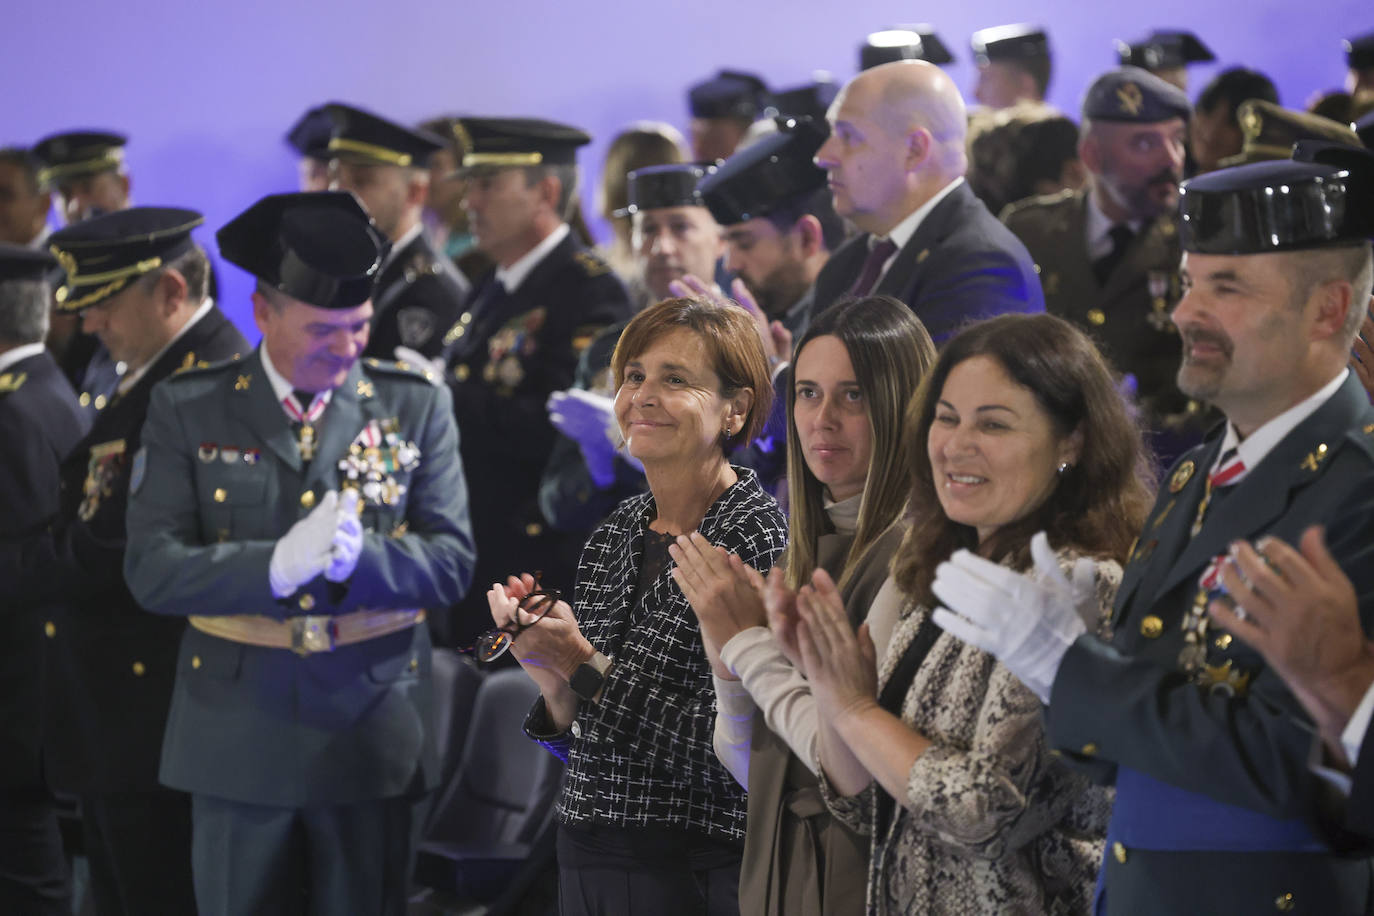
(657, 186)
(903, 42)
(777, 169)
(19, 262)
(318, 247)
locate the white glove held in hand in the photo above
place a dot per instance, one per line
(348, 539)
(1028, 621)
(305, 551)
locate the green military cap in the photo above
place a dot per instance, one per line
(104, 254)
(1270, 131)
(1164, 49)
(511, 142)
(363, 137)
(1134, 95)
(318, 247)
(1016, 42)
(76, 153)
(903, 42)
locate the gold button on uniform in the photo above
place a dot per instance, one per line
(101, 401)
(414, 664)
(1097, 317)
(1151, 627)
(1223, 641)
(1119, 852)
(220, 494)
(85, 399)
(461, 372)
(1284, 903)
(195, 661)
(307, 602)
(308, 498)
(49, 629)
(139, 670)
(534, 529)
(1089, 750)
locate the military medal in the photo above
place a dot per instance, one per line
(1181, 476)
(376, 454)
(306, 442)
(207, 452)
(105, 464)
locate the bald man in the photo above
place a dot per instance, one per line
(895, 160)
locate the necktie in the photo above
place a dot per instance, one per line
(873, 267)
(1121, 236)
(1229, 472)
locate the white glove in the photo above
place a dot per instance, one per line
(422, 363)
(1028, 621)
(348, 539)
(589, 420)
(304, 552)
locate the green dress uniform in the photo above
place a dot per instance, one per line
(1218, 806)
(301, 725)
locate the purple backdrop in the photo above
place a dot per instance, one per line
(206, 93)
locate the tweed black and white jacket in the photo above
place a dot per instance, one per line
(642, 755)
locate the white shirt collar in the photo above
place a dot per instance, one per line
(1097, 229)
(130, 379)
(280, 386)
(399, 245)
(511, 277)
(1262, 441)
(19, 354)
(903, 231)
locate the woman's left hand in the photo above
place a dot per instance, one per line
(723, 599)
(842, 665)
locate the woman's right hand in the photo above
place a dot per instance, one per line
(550, 648)
(780, 604)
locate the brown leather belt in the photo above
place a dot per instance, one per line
(309, 634)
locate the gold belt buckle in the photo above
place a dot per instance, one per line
(311, 634)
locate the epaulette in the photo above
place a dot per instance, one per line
(592, 264)
(399, 368)
(1040, 202)
(12, 381)
(195, 368)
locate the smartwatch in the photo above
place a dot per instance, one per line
(590, 677)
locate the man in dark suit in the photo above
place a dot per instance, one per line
(896, 162)
(419, 291)
(300, 716)
(139, 283)
(1108, 255)
(1218, 807)
(519, 341)
(39, 424)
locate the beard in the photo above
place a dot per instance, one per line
(780, 289)
(1201, 378)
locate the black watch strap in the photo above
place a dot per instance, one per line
(590, 677)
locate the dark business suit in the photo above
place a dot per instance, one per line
(40, 423)
(1233, 748)
(326, 752)
(418, 298)
(960, 265)
(508, 353)
(111, 664)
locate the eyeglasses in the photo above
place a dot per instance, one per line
(494, 643)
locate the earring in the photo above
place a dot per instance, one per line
(726, 431)
(1063, 468)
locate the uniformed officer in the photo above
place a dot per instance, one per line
(138, 281)
(519, 341)
(24, 202)
(419, 291)
(722, 108)
(1167, 53)
(87, 170)
(1013, 64)
(1218, 809)
(903, 42)
(309, 137)
(1359, 61)
(300, 717)
(809, 100)
(39, 423)
(1108, 255)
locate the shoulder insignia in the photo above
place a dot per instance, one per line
(1314, 458)
(192, 367)
(386, 367)
(1181, 476)
(416, 326)
(12, 381)
(591, 263)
